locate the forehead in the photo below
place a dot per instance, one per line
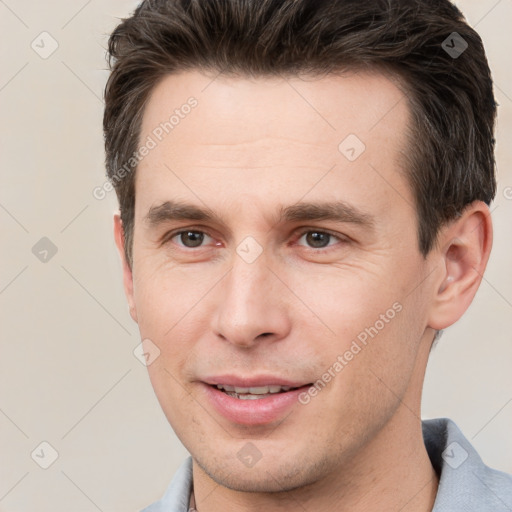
(270, 132)
(229, 107)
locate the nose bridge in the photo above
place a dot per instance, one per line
(250, 304)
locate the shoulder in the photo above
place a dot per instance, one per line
(465, 482)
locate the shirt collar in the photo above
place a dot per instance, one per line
(465, 482)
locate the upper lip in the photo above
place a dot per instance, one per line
(254, 381)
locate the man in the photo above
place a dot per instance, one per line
(304, 191)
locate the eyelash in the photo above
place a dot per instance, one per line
(342, 239)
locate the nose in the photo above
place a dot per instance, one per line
(251, 305)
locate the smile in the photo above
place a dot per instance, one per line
(254, 401)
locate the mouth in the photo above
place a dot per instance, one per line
(252, 401)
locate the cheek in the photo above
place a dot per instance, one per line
(366, 323)
(166, 304)
(168, 298)
(347, 301)
(175, 400)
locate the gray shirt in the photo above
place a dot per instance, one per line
(466, 484)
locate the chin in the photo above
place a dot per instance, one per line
(276, 475)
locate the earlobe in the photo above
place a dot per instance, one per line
(127, 271)
(464, 248)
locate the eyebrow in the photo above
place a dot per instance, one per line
(336, 211)
(173, 210)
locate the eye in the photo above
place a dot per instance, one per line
(317, 239)
(189, 238)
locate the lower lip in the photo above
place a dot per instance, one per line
(252, 412)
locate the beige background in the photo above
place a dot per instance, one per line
(68, 375)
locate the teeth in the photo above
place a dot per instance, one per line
(246, 396)
(225, 388)
(259, 390)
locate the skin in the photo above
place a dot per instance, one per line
(250, 147)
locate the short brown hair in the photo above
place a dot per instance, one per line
(451, 144)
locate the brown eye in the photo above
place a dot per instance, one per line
(318, 239)
(190, 239)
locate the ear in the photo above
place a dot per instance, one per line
(127, 271)
(463, 250)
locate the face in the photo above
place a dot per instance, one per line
(275, 247)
